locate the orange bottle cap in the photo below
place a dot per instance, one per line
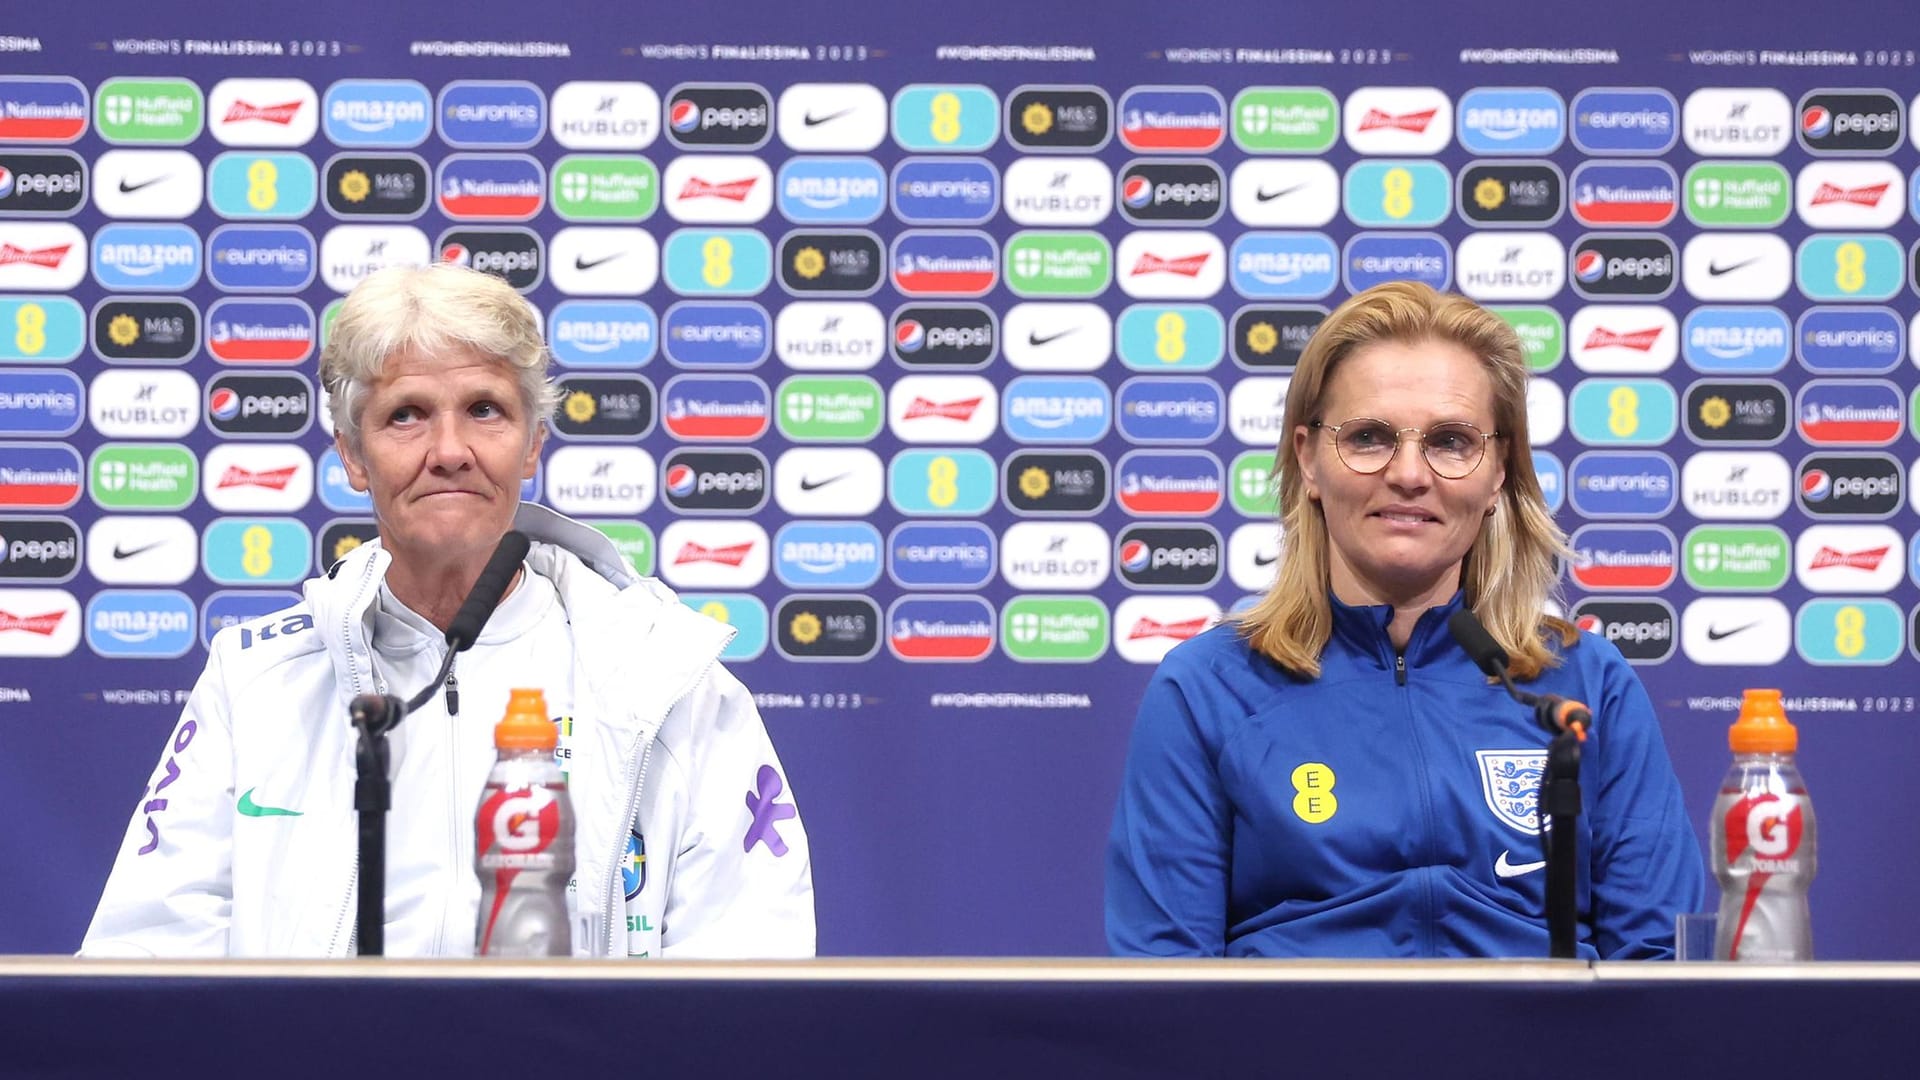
(526, 725)
(1763, 727)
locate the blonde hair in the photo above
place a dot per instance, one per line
(430, 309)
(1510, 572)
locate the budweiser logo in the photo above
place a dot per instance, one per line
(725, 556)
(1641, 340)
(1185, 265)
(735, 190)
(1860, 196)
(1179, 631)
(48, 257)
(952, 410)
(1858, 560)
(272, 479)
(1415, 122)
(33, 624)
(272, 114)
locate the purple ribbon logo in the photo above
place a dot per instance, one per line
(766, 811)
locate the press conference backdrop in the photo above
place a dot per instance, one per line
(942, 351)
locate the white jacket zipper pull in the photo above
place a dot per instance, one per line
(453, 694)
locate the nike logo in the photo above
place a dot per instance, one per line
(1034, 339)
(815, 485)
(581, 262)
(815, 121)
(1716, 269)
(1269, 196)
(1260, 559)
(1714, 633)
(249, 808)
(127, 188)
(1506, 869)
(125, 553)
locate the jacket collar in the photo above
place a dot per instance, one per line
(1363, 629)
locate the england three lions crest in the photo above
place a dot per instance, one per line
(1510, 779)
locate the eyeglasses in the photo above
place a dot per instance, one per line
(1453, 450)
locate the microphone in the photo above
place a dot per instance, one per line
(1552, 711)
(487, 591)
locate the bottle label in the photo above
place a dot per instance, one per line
(517, 828)
(1768, 826)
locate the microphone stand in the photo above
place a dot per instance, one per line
(1560, 807)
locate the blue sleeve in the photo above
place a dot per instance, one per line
(1168, 855)
(1646, 863)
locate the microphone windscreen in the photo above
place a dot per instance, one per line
(487, 590)
(1487, 654)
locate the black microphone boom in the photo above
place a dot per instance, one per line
(1485, 652)
(487, 591)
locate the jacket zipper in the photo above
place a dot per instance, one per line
(1426, 787)
(453, 692)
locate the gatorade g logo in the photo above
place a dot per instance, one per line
(1767, 825)
(520, 821)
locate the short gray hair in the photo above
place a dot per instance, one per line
(430, 309)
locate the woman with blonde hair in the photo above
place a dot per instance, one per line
(1330, 774)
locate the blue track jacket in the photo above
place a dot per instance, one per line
(1386, 808)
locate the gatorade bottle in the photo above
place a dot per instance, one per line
(1765, 846)
(523, 842)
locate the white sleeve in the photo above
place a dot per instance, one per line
(741, 885)
(171, 890)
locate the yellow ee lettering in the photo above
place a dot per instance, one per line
(1314, 800)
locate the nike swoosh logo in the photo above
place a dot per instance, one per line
(1034, 339)
(123, 553)
(249, 808)
(1715, 269)
(1714, 633)
(815, 485)
(1269, 196)
(581, 262)
(815, 121)
(1506, 869)
(1265, 560)
(128, 189)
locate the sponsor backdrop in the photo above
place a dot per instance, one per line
(943, 353)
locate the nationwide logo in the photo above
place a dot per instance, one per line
(950, 629)
(1058, 191)
(1058, 265)
(257, 185)
(942, 408)
(831, 263)
(39, 622)
(944, 118)
(143, 477)
(604, 115)
(1517, 194)
(1375, 258)
(1643, 630)
(943, 335)
(1753, 558)
(1273, 337)
(231, 608)
(373, 113)
(1257, 409)
(1058, 336)
(1056, 409)
(44, 330)
(736, 116)
(1737, 266)
(1754, 413)
(393, 186)
(141, 550)
(603, 481)
(612, 260)
(1856, 122)
(45, 550)
(730, 189)
(1510, 266)
(1738, 194)
(512, 255)
(260, 406)
(718, 334)
(1749, 122)
(827, 628)
(1623, 339)
(1398, 120)
(1605, 267)
(602, 333)
(1398, 194)
(1850, 485)
(1736, 631)
(835, 191)
(944, 263)
(723, 407)
(1623, 558)
(837, 481)
(714, 554)
(1849, 558)
(1185, 192)
(143, 403)
(261, 258)
(263, 112)
(491, 187)
(1284, 266)
(1171, 337)
(478, 115)
(1171, 483)
(1168, 409)
(1849, 194)
(243, 330)
(256, 551)
(714, 481)
(1059, 119)
(1146, 628)
(162, 112)
(1848, 412)
(592, 188)
(1066, 484)
(827, 554)
(1284, 194)
(1623, 484)
(1054, 629)
(617, 407)
(943, 191)
(52, 183)
(817, 117)
(261, 477)
(1609, 194)
(1850, 267)
(1625, 120)
(1737, 486)
(1285, 120)
(159, 330)
(1850, 340)
(1619, 412)
(1512, 121)
(1172, 119)
(829, 408)
(1736, 340)
(941, 483)
(829, 335)
(1041, 556)
(941, 555)
(164, 258)
(42, 109)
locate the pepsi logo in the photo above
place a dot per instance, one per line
(1134, 555)
(224, 404)
(1590, 266)
(1816, 122)
(456, 254)
(1588, 623)
(1137, 191)
(1816, 485)
(6, 181)
(680, 480)
(685, 116)
(909, 335)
